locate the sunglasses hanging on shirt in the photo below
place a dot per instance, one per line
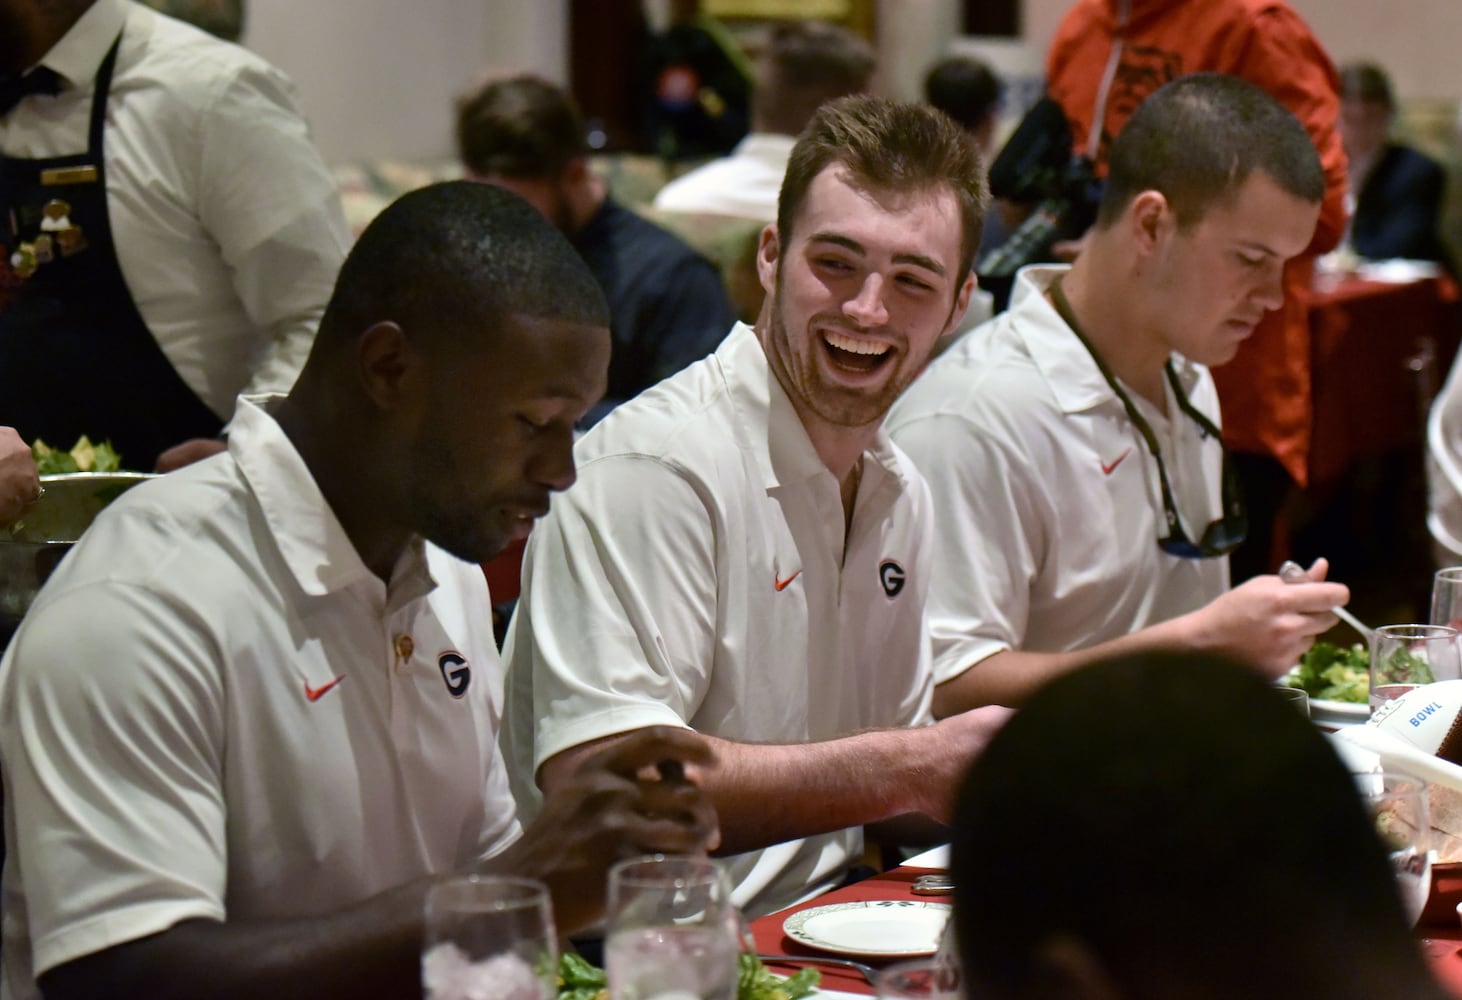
(1220, 537)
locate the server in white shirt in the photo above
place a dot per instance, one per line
(255, 711)
(746, 554)
(170, 234)
(1072, 445)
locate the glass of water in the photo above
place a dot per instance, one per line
(1405, 656)
(489, 938)
(673, 933)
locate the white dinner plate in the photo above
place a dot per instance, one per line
(879, 928)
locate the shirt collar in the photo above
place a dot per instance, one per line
(1073, 377)
(309, 536)
(783, 450)
(79, 53)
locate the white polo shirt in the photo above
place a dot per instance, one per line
(1047, 499)
(745, 184)
(695, 576)
(215, 710)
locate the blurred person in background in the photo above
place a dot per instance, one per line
(1105, 58)
(1226, 853)
(697, 87)
(668, 305)
(170, 233)
(803, 65)
(1397, 190)
(969, 92)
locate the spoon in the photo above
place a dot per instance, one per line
(1292, 572)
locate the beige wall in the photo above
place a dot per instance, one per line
(377, 77)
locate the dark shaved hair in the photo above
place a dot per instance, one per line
(891, 146)
(452, 257)
(1197, 140)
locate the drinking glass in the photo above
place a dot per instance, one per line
(672, 930)
(1447, 597)
(1398, 806)
(489, 938)
(1296, 697)
(1406, 656)
(930, 978)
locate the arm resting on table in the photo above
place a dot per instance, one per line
(769, 793)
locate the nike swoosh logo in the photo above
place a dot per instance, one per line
(1107, 470)
(315, 694)
(781, 585)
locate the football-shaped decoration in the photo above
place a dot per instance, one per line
(1427, 718)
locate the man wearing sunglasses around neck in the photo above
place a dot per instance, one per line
(1072, 444)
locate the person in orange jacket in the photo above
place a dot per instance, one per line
(1107, 55)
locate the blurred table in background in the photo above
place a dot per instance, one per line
(1380, 351)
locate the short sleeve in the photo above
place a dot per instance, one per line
(267, 199)
(617, 620)
(111, 736)
(988, 541)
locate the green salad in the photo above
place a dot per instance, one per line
(83, 457)
(1335, 673)
(581, 980)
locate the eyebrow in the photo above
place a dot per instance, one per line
(916, 259)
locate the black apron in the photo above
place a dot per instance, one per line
(75, 356)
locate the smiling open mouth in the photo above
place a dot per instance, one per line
(853, 354)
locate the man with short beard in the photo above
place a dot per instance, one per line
(745, 552)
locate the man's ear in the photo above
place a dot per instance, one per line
(387, 362)
(768, 254)
(1150, 220)
(961, 304)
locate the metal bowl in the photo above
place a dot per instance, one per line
(30, 550)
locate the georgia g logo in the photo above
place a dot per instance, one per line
(455, 672)
(891, 575)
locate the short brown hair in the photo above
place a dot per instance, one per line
(1197, 140)
(805, 65)
(888, 146)
(519, 126)
(1366, 82)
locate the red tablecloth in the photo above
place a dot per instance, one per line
(770, 940)
(1440, 941)
(1367, 397)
